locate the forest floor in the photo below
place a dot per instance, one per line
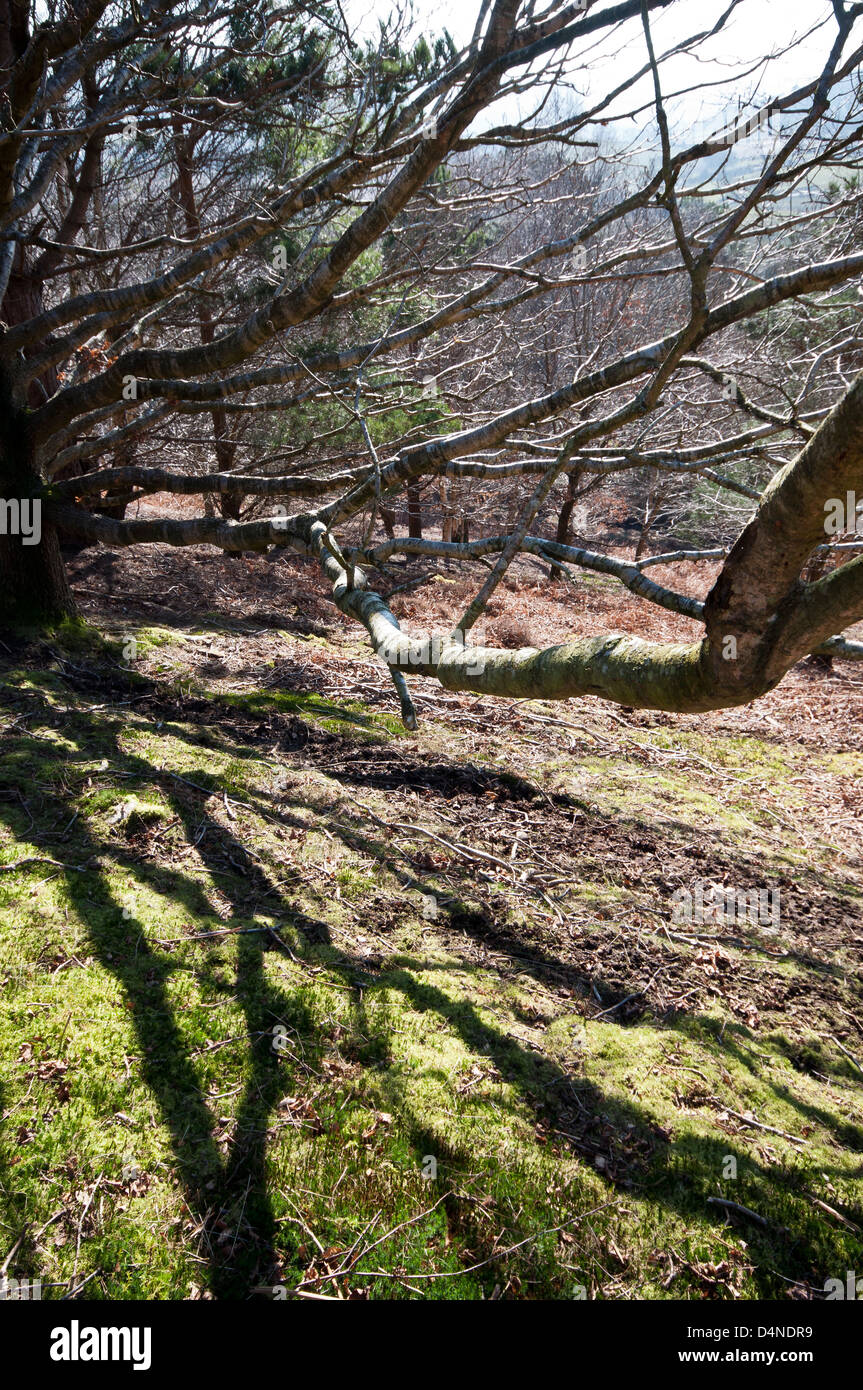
(296, 998)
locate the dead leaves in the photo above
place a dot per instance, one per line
(327, 1269)
(712, 960)
(299, 1111)
(48, 1070)
(479, 1072)
(720, 1279)
(380, 1117)
(720, 971)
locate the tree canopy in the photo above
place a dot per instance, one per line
(307, 275)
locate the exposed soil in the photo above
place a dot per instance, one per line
(619, 961)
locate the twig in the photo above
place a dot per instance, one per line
(347, 1265)
(756, 1124)
(307, 1293)
(6, 1262)
(741, 1211)
(87, 1206)
(816, 1201)
(637, 995)
(204, 935)
(464, 850)
(72, 1293)
(498, 1254)
(41, 859)
(845, 1051)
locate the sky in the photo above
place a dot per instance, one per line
(759, 28)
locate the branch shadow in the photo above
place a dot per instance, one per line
(231, 1190)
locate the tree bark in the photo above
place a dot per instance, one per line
(415, 517)
(34, 588)
(565, 519)
(229, 505)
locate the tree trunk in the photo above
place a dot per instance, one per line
(565, 519)
(229, 503)
(34, 588)
(33, 583)
(415, 516)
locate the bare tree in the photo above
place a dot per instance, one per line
(195, 228)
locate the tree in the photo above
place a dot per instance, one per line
(199, 225)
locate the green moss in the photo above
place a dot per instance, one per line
(239, 1056)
